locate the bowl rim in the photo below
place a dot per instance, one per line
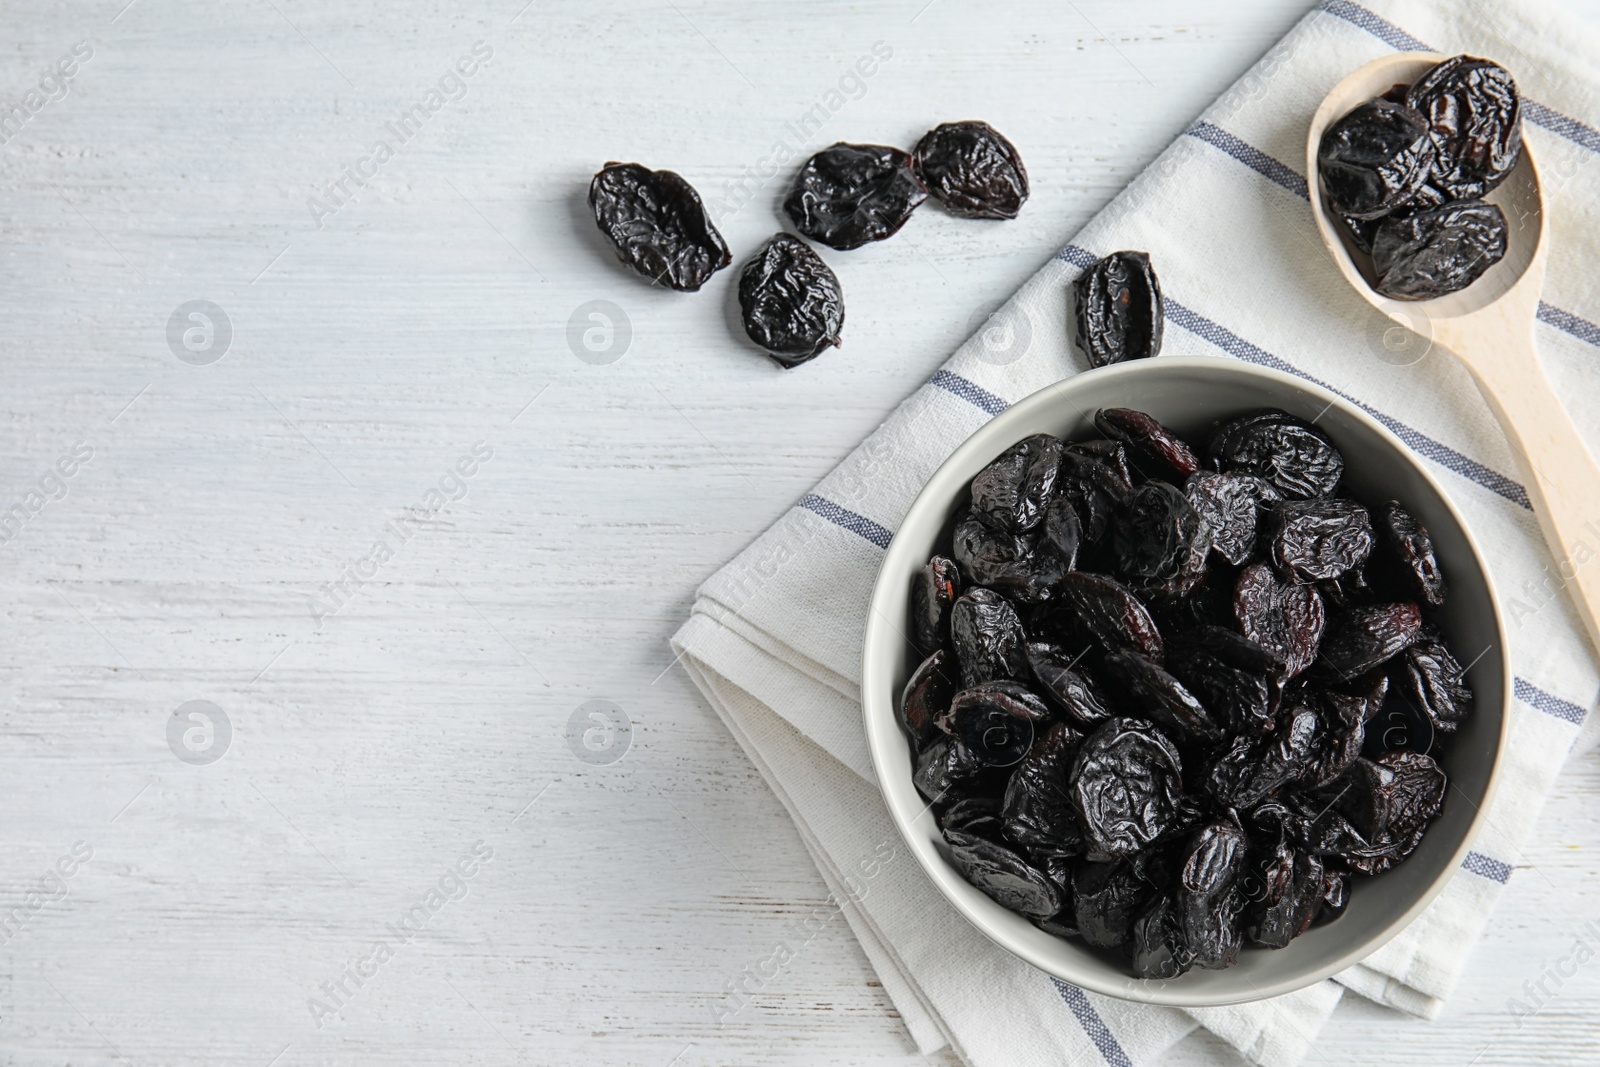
(878, 691)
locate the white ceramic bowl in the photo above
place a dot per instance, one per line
(1187, 394)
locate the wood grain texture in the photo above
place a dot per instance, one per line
(371, 749)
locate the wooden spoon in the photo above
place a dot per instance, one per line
(1489, 326)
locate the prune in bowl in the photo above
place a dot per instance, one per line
(1174, 885)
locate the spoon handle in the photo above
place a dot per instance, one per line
(1559, 471)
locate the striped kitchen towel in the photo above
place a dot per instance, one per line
(774, 637)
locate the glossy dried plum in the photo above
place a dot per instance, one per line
(988, 638)
(1335, 897)
(1474, 116)
(1062, 533)
(1319, 539)
(1363, 638)
(1038, 814)
(1209, 894)
(1096, 486)
(1007, 563)
(1415, 796)
(1107, 898)
(933, 590)
(1161, 698)
(1118, 312)
(1058, 869)
(1407, 548)
(1289, 911)
(1113, 615)
(1286, 619)
(657, 225)
(995, 721)
(1007, 878)
(927, 696)
(1231, 505)
(1240, 700)
(1158, 949)
(1249, 768)
(1161, 543)
(1430, 253)
(972, 170)
(1074, 690)
(791, 302)
(1012, 492)
(1374, 159)
(1230, 648)
(977, 816)
(1125, 784)
(849, 194)
(1297, 459)
(946, 771)
(1153, 446)
(1432, 681)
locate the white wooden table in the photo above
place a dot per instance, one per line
(375, 733)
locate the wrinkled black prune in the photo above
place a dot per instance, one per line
(1231, 506)
(927, 696)
(1209, 894)
(1284, 618)
(972, 170)
(1125, 784)
(978, 816)
(849, 194)
(657, 225)
(1363, 638)
(1158, 946)
(1295, 457)
(1161, 541)
(1408, 549)
(1108, 897)
(1012, 492)
(1375, 159)
(995, 721)
(1095, 485)
(1436, 251)
(1293, 899)
(1118, 310)
(933, 590)
(1431, 680)
(1115, 616)
(1162, 698)
(946, 771)
(1239, 699)
(1006, 562)
(988, 638)
(1073, 690)
(1006, 877)
(1314, 540)
(1152, 444)
(791, 302)
(1475, 119)
(1250, 768)
(1038, 813)
(1062, 532)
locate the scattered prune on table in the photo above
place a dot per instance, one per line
(791, 302)
(1118, 310)
(1005, 876)
(1429, 678)
(849, 194)
(1231, 506)
(1375, 159)
(1436, 251)
(1073, 690)
(1314, 540)
(1287, 677)
(1125, 784)
(1475, 119)
(657, 225)
(1296, 458)
(995, 721)
(932, 592)
(927, 696)
(1013, 491)
(1284, 618)
(988, 638)
(1408, 550)
(972, 170)
(1363, 638)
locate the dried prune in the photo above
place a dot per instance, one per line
(1095, 485)
(1012, 492)
(1291, 454)
(1074, 691)
(1118, 310)
(946, 771)
(1425, 254)
(1159, 949)
(1107, 897)
(1209, 895)
(1038, 813)
(1231, 505)
(1058, 868)
(933, 590)
(1062, 532)
(791, 302)
(1284, 618)
(1162, 698)
(1335, 897)
(972, 170)
(1152, 444)
(988, 638)
(1475, 119)
(1432, 681)
(1006, 877)
(978, 816)
(1249, 769)
(1319, 539)
(1006, 562)
(1293, 902)
(927, 696)
(1374, 159)
(1230, 648)
(1160, 541)
(1408, 550)
(1125, 784)
(657, 225)
(995, 721)
(1363, 638)
(1115, 616)
(849, 194)
(1239, 699)
(1416, 793)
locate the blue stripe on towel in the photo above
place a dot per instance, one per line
(1486, 867)
(1092, 1024)
(975, 395)
(1535, 697)
(1250, 156)
(856, 524)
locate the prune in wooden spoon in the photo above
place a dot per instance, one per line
(1118, 310)
(657, 225)
(791, 302)
(849, 194)
(972, 170)
(1421, 255)
(1375, 159)
(1474, 115)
